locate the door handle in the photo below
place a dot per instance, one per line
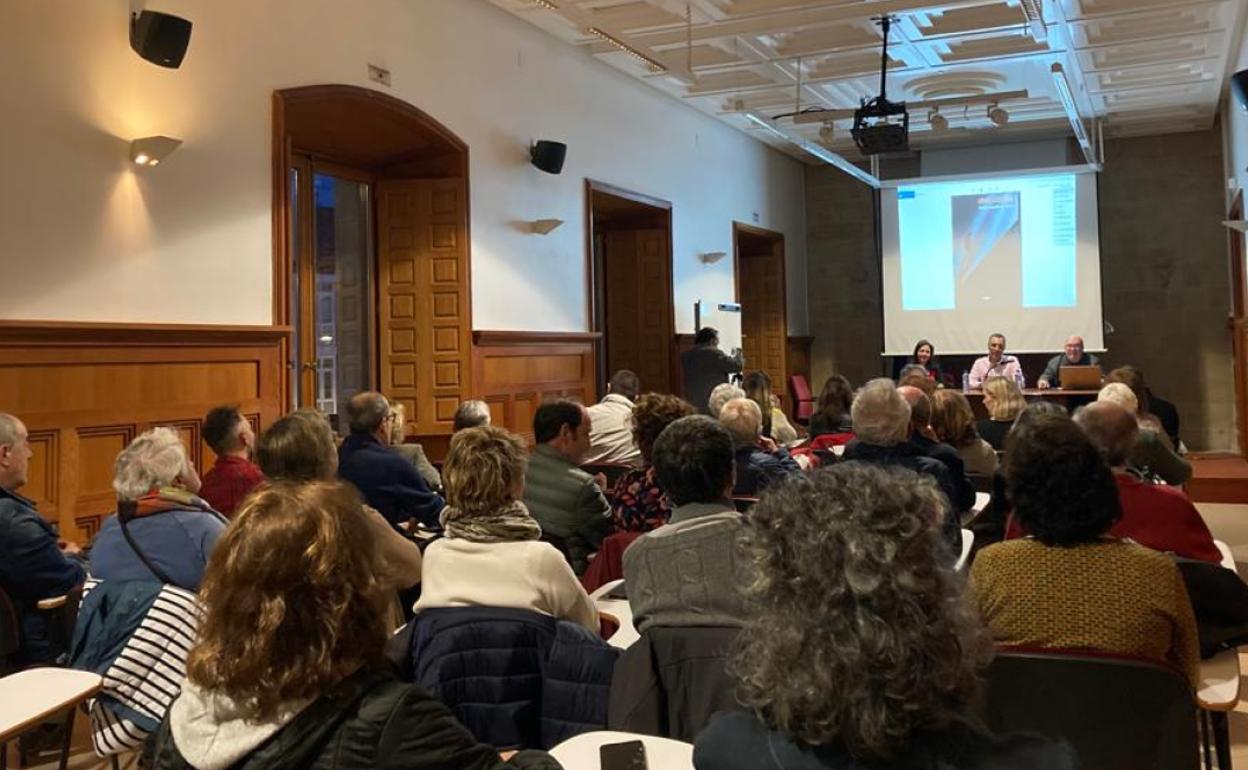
(309, 366)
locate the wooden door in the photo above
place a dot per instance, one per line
(425, 328)
(764, 323)
(638, 306)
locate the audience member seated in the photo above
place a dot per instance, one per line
(233, 475)
(1071, 585)
(471, 414)
(1151, 456)
(776, 425)
(832, 409)
(882, 425)
(922, 436)
(492, 555)
(288, 669)
(860, 649)
(162, 531)
(638, 503)
(413, 453)
(566, 501)
(611, 437)
(1003, 401)
(1154, 515)
(32, 565)
(688, 572)
(953, 422)
(722, 394)
(759, 461)
(299, 448)
(704, 366)
(915, 376)
(1134, 379)
(388, 482)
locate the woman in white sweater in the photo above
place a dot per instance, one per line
(491, 555)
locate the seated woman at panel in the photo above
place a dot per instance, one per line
(832, 409)
(288, 670)
(173, 530)
(1003, 401)
(776, 425)
(413, 453)
(1152, 454)
(491, 555)
(1070, 585)
(637, 502)
(925, 356)
(954, 423)
(300, 448)
(873, 661)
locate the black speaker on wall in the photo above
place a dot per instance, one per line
(548, 156)
(160, 38)
(1239, 87)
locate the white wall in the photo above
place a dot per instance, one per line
(84, 237)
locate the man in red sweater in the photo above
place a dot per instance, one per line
(234, 474)
(1153, 515)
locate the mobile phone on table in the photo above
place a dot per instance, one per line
(629, 755)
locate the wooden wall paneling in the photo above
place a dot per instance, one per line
(514, 372)
(86, 390)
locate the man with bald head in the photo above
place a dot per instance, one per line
(924, 439)
(386, 480)
(1073, 355)
(32, 565)
(1154, 515)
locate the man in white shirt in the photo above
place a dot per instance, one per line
(611, 435)
(996, 364)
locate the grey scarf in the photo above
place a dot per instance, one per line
(508, 524)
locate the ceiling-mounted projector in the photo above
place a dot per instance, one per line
(881, 126)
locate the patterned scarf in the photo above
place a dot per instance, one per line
(508, 524)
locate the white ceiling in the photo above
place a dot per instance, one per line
(1141, 66)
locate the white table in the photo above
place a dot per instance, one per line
(29, 697)
(581, 751)
(981, 502)
(621, 611)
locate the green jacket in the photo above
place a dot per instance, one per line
(568, 503)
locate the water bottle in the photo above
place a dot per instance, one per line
(966, 381)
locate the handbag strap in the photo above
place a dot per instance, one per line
(127, 510)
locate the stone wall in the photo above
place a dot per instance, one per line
(1165, 281)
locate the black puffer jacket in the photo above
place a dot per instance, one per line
(370, 720)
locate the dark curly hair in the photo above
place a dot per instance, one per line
(849, 589)
(654, 412)
(1062, 490)
(693, 460)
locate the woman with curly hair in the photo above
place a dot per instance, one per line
(860, 650)
(1003, 401)
(954, 423)
(288, 670)
(637, 502)
(1069, 584)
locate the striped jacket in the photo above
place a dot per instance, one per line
(137, 636)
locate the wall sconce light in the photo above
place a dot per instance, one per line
(545, 226)
(711, 257)
(151, 150)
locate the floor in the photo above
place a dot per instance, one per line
(1228, 521)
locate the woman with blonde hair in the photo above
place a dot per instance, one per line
(287, 670)
(1003, 402)
(491, 555)
(954, 423)
(1152, 455)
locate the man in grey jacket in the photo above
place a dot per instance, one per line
(690, 571)
(565, 500)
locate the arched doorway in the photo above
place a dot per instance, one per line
(371, 263)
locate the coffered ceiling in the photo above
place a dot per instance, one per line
(1136, 66)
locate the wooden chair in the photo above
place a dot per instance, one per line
(803, 401)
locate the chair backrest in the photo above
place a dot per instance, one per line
(1118, 714)
(743, 504)
(803, 402)
(611, 470)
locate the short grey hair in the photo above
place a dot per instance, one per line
(743, 419)
(366, 411)
(1118, 393)
(9, 429)
(722, 394)
(471, 414)
(154, 459)
(881, 416)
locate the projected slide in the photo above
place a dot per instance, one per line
(988, 243)
(964, 257)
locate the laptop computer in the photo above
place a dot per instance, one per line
(1080, 377)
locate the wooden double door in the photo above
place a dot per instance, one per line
(761, 291)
